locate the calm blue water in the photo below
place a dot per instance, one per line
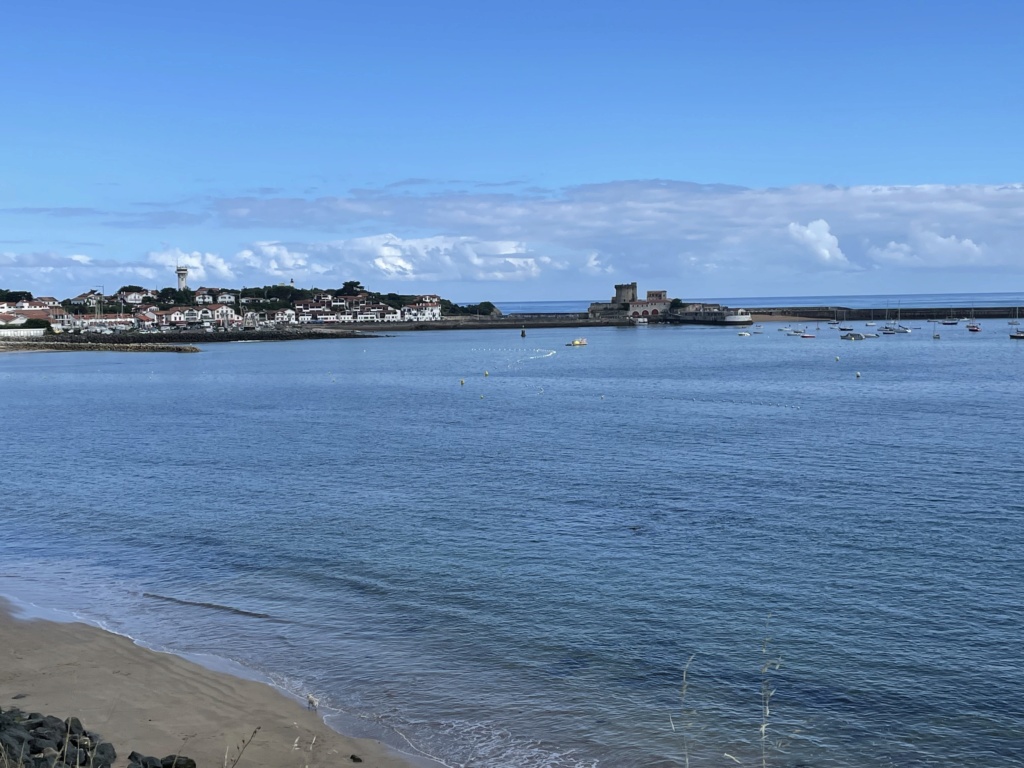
(877, 301)
(513, 571)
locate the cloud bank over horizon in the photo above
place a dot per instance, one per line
(509, 241)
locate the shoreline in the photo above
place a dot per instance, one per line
(186, 342)
(162, 704)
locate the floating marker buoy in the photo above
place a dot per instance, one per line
(481, 397)
(858, 374)
(486, 373)
(837, 358)
(462, 382)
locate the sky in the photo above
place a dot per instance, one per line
(514, 151)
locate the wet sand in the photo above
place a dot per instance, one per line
(159, 704)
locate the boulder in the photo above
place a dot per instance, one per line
(104, 756)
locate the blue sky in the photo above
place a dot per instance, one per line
(514, 151)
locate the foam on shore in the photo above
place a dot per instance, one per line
(161, 704)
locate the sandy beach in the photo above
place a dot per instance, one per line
(159, 704)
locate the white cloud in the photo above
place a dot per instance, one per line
(72, 273)
(392, 258)
(819, 240)
(595, 266)
(201, 266)
(926, 249)
(689, 239)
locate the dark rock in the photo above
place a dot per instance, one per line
(45, 733)
(104, 756)
(43, 762)
(14, 736)
(20, 696)
(355, 758)
(177, 761)
(38, 744)
(73, 756)
(143, 761)
(74, 726)
(56, 724)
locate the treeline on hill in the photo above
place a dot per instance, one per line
(15, 296)
(268, 297)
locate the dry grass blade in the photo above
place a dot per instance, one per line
(241, 748)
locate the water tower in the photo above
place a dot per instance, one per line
(182, 273)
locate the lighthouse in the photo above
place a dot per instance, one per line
(182, 273)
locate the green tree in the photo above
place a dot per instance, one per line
(483, 308)
(15, 296)
(37, 323)
(352, 288)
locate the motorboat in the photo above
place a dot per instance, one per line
(853, 336)
(580, 342)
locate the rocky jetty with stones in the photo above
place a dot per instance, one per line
(32, 740)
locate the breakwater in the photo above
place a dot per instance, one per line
(46, 344)
(905, 313)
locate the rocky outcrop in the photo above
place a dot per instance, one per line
(32, 740)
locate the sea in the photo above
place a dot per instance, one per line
(673, 546)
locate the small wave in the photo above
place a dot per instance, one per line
(213, 606)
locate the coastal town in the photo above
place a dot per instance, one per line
(138, 310)
(285, 309)
(133, 308)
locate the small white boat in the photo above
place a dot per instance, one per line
(742, 333)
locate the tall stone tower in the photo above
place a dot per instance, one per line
(624, 293)
(182, 273)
